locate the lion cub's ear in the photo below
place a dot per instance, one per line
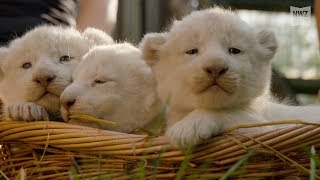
(268, 41)
(97, 36)
(151, 45)
(3, 54)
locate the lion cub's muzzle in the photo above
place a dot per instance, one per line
(215, 71)
(212, 76)
(44, 79)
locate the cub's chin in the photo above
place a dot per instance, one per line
(216, 89)
(214, 98)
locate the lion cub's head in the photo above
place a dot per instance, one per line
(112, 83)
(210, 59)
(38, 66)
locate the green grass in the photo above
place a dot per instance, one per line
(313, 165)
(156, 163)
(199, 170)
(237, 165)
(184, 164)
(184, 173)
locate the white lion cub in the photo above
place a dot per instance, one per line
(214, 71)
(35, 69)
(112, 83)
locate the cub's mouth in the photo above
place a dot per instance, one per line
(215, 86)
(48, 94)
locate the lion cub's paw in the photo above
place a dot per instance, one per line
(25, 112)
(191, 131)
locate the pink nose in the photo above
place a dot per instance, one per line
(67, 103)
(45, 79)
(216, 70)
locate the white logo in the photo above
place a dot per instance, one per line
(300, 16)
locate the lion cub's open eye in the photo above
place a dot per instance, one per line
(233, 50)
(26, 65)
(65, 58)
(193, 51)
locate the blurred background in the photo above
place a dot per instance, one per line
(297, 63)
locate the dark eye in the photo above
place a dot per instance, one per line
(97, 81)
(234, 50)
(26, 65)
(65, 58)
(192, 51)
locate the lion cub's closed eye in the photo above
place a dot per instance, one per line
(112, 83)
(41, 63)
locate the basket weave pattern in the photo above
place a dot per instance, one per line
(51, 150)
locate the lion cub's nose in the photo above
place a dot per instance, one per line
(67, 102)
(44, 80)
(216, 70)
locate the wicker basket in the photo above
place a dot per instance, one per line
(53, 150)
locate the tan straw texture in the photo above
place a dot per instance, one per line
(53, 150)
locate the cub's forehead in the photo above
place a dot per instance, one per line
(210, 24)
(112, 58)
(118, 54)
(47, 37)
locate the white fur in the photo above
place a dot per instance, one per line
(127, 94)
(27, 93)
(200, 109)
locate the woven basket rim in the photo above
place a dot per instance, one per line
(222, 150)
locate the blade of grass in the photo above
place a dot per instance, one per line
(99, 167)
(237, 164)
(313, 164)
(156, 163)
(202, 168)
(142, 169)
(3, 175)
(90, 118)
(73, 174)
(184, 163)
(22, 175)
(308, 151)
(42, 156)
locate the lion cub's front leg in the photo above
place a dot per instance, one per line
(194, 128)
(26, 111)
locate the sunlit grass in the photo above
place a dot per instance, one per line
(313, 159)
(184, 164)
(243, 160)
